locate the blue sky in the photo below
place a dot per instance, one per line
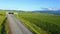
(29, 4)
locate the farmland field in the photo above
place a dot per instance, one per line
(3, 24)
(40, 23)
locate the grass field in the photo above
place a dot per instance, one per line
(3, 24)
(40, 23)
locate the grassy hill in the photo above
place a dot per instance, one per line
(40, 23)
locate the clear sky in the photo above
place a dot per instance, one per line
(29, 4)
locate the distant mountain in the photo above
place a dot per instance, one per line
(49, 11)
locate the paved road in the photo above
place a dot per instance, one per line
(16, 26)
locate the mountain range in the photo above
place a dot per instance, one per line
(51, 11)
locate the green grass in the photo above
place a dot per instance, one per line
(3, 23)
(2, 17)
(41, 23)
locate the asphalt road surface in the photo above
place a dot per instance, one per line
(16, 27)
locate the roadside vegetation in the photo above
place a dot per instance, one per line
(40, 23)
(3, 23)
